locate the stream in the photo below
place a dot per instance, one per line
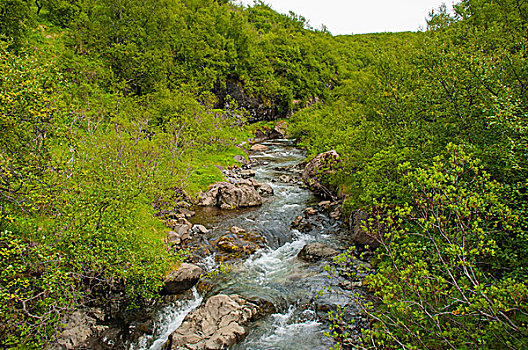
(273, 273)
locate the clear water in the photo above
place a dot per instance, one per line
(274, 273)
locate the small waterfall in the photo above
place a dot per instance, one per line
(168, 320)
(274, 273)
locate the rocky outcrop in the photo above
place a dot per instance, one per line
(218, 324)
(259, 108)
(230, 196)
(313, 252)
(78, 330)
(182, 279)
(317, 171)
(358, 222)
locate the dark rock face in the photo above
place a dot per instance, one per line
(359, 221)
(258, 108)
(318, 169)
(182, 279)
(217, 324)
(316, 251)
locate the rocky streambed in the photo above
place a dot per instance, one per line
(275, 236)
(258, 243)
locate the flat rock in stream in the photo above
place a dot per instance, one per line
(217, 324)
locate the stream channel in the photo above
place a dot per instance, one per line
(274, 273)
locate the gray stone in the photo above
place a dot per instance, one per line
(265, 190)
(217, 324)
(200, 229)
(182, 279)
(78, 330)
(316, 251)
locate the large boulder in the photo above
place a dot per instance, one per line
(358, 222)
(313, 252)
(79, 327)
(217, 324)
(182, 279)
(317, 171)
(230, 196)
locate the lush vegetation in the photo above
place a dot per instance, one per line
(432, 131)
(110, 109)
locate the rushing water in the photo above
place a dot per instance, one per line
(274, 273)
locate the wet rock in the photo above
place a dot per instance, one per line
(265, 190)
(230, 196)
(324, 204)
(358, 223)
(316, 172)
(218, 324)
(297, 222)
(200, 229)
(316, 251)
(286, 179)
(236, 230)
(259, 148)
(247, 174)
(182, 279)
(310, 211)
(237, 244)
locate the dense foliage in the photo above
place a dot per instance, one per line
(432, 130)
(107, 112)
(108, 109)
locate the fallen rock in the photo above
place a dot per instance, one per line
(325, 204)
(358, 223)
(218, 324)
(316, 172)
(316, 251)
(182, 279)
(259, 148)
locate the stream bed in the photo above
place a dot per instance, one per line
(274, 273)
